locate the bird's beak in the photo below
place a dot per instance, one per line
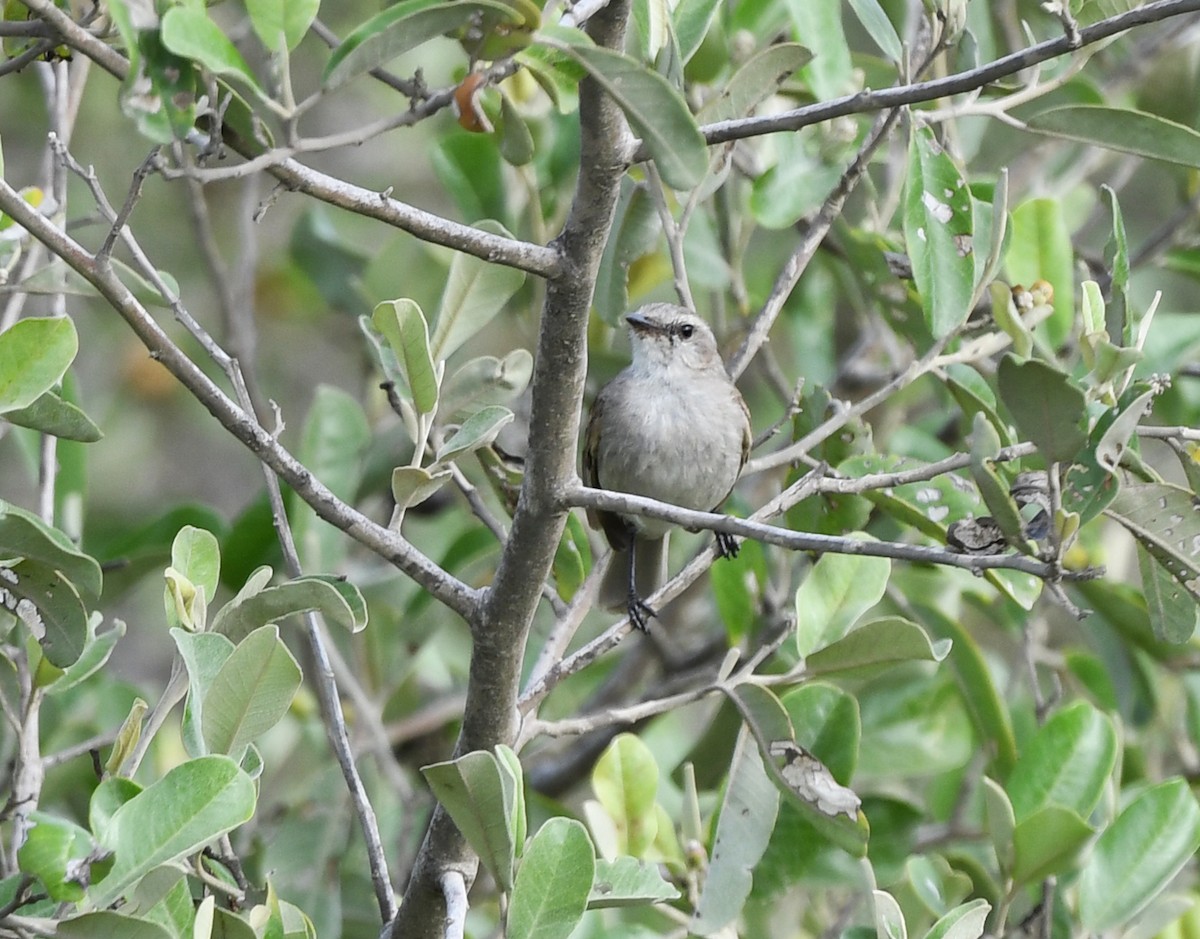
(642, 324)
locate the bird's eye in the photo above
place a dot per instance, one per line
(687, 330)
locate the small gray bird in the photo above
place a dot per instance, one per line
(672, 427)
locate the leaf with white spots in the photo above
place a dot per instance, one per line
(939, 229)
(928, 505)
(1165, 520)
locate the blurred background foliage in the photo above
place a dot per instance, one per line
(959, 755)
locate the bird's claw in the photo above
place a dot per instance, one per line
(640, 613)
(727, 545)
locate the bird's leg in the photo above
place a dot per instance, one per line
(727, 545)
(638, 609)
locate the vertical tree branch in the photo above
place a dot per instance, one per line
(502, 628)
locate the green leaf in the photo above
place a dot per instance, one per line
(626, 783)
(1046, 405)
(196, 554)
(825, 720)
(692, 19)
(472, 790)
(747, 816)
(889, 918)
(35, 353)
(244, 614)
(1047, 843)
(966, 921)
(756, 80)
(985, 445)
(412, 485)
(513, 780)
(939, 232)
(486, 380)
(479, 430)
(52, 853)
(106, 924)
(837, 591)
(1122, 129)
(819, 24)
(875, 646)
(1164, 520)
(203, 655)
(24, 535)
(808, 784)
(471, 168)
(50, 607)
(1001, 822)
(553, 882)
(1172, 610)
(189, 32)
(572, 559)
(875, 21)
(158, 94)
(516, 142)
(402, 324)
(191, 805)
(96, 652)
(985, 705)
(51, 414)
(735, 587)
(250, 694)
(332, 444)
(1040, 249)
(626, 881)
(400, 28)
(1066, 764)
(1138, 855)
(328, 259)
(634, 233)
(475, 292)
(655, 110)
(1118, 322)
(281, 24)
(796, 185)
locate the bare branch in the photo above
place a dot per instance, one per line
(387, 544)
(958, 83)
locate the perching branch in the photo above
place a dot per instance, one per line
(626, 504)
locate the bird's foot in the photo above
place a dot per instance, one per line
(727, 545)
(640, 613)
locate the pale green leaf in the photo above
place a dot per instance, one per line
(281, 24)
(626, 782)
(655, 110)
(402, 324)
(475, 292)
(1122, 129)
(191, 805)
(472, 790)
(939, 232)
(553, 882)
(189, 32)
(250, 693)
(479, 430)
(1138, 855)
(626, 881)
(402, 27)
(35, 353)
(54, 415)
(837, 591)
